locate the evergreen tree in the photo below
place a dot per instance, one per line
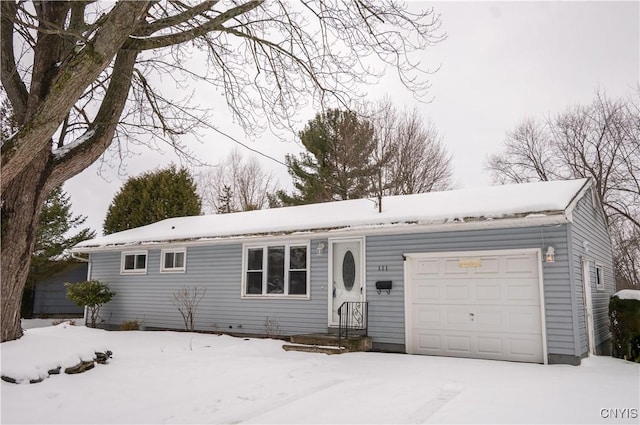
(51, 253)
(224, 200)
(338, 163)
(151, 197)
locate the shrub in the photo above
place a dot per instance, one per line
(93, 294)
(130, 325)
(186, 300)
(624, 317)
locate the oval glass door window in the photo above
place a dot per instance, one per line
(348, 270)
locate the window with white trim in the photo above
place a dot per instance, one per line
(134, 262)
(276, 270)
(599, 278)
(173, 260)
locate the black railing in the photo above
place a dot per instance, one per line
(354, 318)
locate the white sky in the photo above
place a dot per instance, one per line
(501, 62)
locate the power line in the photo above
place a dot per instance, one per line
(233, 139)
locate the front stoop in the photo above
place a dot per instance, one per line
(328, 344)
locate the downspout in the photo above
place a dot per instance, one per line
(573, 287)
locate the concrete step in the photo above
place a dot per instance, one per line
(314, 348)
(353, 343)
(315, 339)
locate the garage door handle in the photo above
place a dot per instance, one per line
(472, 316)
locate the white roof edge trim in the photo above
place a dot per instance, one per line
(568, 212)
(504, 223)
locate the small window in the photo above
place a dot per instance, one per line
(173, 260)
(134, 262)
(599, 278)
(277, 270)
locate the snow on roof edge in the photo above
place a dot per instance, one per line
(434, 208)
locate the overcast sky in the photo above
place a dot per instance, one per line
(502, 62)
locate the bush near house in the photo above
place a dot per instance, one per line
(624, 316)
(92, 293)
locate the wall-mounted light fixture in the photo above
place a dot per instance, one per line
(550, 255)
(320, 248)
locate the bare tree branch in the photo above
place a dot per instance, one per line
(13, 84)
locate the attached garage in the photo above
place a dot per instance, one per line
(479, 304)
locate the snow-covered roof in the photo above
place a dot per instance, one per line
(523, 201)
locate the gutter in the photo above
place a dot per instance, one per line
(551, 218)
(75, 256)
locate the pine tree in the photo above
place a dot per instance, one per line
(224, 200)
(337, 164)
(151, 197)
(51, 253)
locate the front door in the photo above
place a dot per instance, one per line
(346, 274)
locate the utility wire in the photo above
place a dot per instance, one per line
(233, 139)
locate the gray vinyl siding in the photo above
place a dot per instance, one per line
(385, 262)
(218, 268)
(589, 225)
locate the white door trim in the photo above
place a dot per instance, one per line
(363, 255)
(588, 306)
(407, 288)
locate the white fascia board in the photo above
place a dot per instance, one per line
(392, 229)
(568, 212)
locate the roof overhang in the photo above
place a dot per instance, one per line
(548, 218)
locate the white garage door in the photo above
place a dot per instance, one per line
(474, 304)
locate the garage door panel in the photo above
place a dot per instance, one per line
(508, 347)
(460, 344)
(526, 347)
(490, 346)
(516, 292)
(460, 291)
(489, 320)
(428, 319)
(457, 319)
(522, 291)
(521, 266)
(484, 306)
(427, 291)
(452, 267)
(426, 267)
(429, 344)
(489, 265)
(488, 291)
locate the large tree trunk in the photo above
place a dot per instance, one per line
(30, 171)
(21, 209)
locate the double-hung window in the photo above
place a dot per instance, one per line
(173, 260)
(277, 270)
(134, 262)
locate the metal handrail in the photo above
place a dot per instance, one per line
(354, 316)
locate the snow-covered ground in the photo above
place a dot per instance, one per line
(172, 377)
